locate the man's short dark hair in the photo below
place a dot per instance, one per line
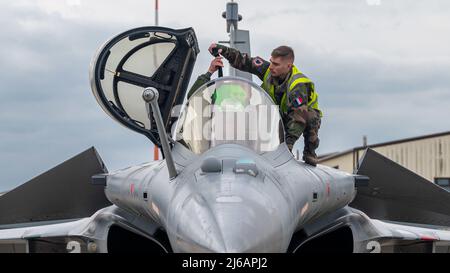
(285, 52)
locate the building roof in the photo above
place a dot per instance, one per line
(327, 155)
(399, 141)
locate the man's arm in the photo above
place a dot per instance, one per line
(201, 80)
(297, 113)
(204, 78)
(257, 65)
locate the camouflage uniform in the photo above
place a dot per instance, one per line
(297, 117)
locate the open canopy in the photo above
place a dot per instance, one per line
(156, 57)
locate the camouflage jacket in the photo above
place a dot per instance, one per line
(295, 118)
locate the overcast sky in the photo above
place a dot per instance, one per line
(381, 68)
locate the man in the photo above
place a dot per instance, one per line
(286, 85)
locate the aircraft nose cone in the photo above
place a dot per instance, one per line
(225, 224)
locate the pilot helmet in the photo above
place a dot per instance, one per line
(230, 93)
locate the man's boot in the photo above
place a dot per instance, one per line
(310, 158)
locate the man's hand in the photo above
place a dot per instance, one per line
(215, 64)
(212, 46)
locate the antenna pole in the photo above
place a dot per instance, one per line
(155, 148)
(156, 12)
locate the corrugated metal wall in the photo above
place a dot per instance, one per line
(344, 162)
(428, 157)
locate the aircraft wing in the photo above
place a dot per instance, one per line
(405, 237)
(350, 230)
(398, 211)
(398, 194)
(413, 213)
(52, 206)
(64, 192)
(47, 229)
(109, 230)
(62, 211)
(56, 235)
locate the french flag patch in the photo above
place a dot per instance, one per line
(298, 101)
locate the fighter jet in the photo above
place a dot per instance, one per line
(227, 183)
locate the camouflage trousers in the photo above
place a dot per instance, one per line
(311, 132)
(304, 121)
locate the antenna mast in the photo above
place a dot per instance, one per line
(239, 39)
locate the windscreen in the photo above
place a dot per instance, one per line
(230, 110)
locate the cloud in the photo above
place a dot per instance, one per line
(47, 111)
(380, 71)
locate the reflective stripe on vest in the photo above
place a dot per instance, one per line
(295, 78)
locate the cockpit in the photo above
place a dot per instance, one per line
(225, 110)
(229, 110)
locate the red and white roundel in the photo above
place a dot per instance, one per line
(258, 61)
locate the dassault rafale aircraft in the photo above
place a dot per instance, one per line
(227, 183)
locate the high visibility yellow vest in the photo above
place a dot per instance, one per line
(295, 78)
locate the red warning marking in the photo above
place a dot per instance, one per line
(428, 238)
(132, 188)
